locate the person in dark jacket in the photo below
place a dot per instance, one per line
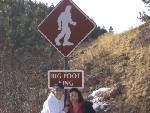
(78, 104)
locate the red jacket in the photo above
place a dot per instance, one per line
(84, 107)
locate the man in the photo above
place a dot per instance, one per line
(55, 101)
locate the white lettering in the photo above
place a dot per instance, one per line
(71, 75)
(56, 75)
(68, 83)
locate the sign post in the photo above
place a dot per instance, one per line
(66, 66)
(65, 27)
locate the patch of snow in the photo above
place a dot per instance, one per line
(99, 105)
(100, 91)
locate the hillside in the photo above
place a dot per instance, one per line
(118, 61)
(122, 59)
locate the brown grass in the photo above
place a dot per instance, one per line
(119, 58)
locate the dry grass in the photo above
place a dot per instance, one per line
(114, 58)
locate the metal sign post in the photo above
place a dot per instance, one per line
(65, 27)
(66, 67)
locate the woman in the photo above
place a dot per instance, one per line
(77, 103)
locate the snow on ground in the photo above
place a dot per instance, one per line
(100, 91)
(99, 105)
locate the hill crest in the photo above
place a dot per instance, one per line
(119, 58)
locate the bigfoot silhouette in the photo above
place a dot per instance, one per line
(63, 21)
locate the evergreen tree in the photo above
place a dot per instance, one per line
(143, 15)
(111, 30)
(96, 32)
(18, 26)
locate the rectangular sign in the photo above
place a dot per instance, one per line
(69, 78)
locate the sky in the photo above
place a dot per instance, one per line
(122, 15)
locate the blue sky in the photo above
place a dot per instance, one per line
(120, 14)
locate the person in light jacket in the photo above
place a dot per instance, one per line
(55, 101)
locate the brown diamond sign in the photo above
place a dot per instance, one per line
(66, 27)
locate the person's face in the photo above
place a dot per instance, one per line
(74, 96)
(58, 93)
